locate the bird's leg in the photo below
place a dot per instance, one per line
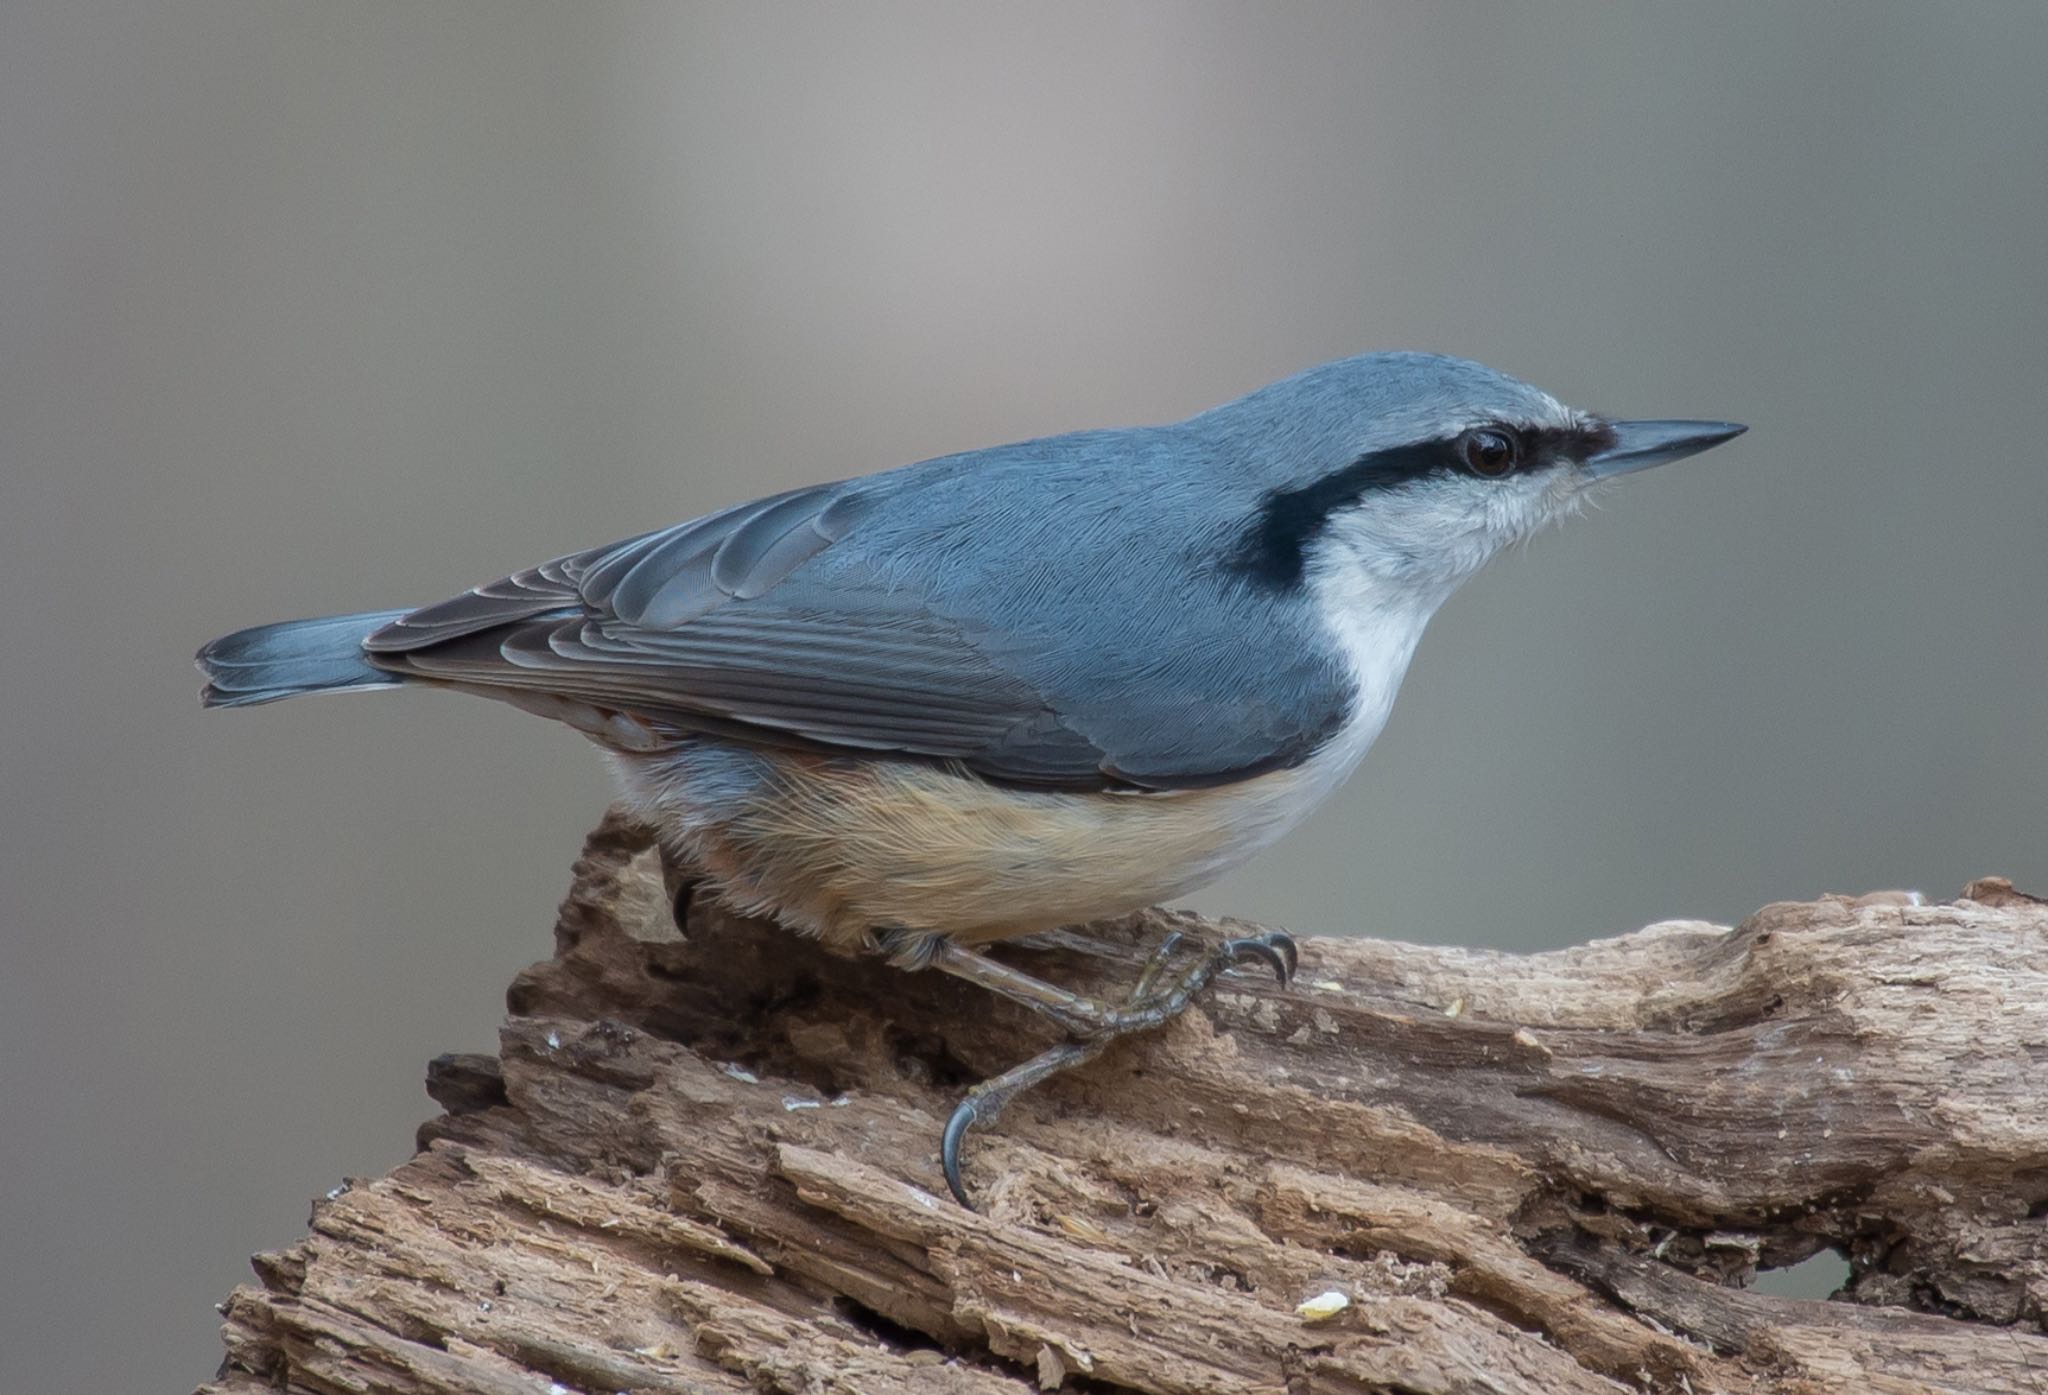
(1156, 999)
(987, 1099)
(1149, 1005)
(1154, 1003)
(1162, 955)
(1077, 1016)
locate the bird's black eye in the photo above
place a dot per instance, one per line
(1489, 453)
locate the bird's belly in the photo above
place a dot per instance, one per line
(843, 847)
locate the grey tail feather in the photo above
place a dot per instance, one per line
(294, 657)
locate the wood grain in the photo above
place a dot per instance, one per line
(707, 1163)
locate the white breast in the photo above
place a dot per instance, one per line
(1376, 627)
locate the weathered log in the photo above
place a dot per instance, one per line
(707, 1162)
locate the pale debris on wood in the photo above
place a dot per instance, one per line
(1324, 1306)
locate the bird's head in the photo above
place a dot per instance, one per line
(1415, 470)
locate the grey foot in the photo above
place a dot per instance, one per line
(1156, 999)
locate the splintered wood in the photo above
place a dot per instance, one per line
(707, 1162)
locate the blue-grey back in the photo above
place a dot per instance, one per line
(1094, 567)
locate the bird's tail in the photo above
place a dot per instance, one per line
(294, 657)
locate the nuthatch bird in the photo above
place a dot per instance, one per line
(995, 693)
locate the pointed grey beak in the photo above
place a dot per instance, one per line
(1637, 445)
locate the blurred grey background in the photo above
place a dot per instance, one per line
(319, 307)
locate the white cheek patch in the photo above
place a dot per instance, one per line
(1531, 502)
(1438, 532)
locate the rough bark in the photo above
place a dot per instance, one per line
(707, 1162)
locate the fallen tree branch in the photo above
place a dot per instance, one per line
(707, 1162)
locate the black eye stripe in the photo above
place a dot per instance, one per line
(1273, 549)
(1546, 445)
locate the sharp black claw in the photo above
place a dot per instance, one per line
(949, 1149)
(1266, 952)
(1284, 942)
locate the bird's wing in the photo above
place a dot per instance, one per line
(654, 581)
(720, 625)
